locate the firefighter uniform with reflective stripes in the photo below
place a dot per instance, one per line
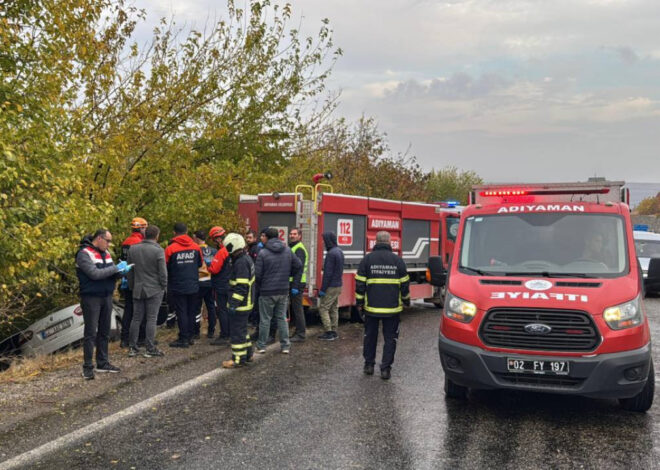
(240, 304)
(382, 287)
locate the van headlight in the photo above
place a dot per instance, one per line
(626, 315)
(459, 309)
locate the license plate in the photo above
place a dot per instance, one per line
(537, 367)
(63, 325)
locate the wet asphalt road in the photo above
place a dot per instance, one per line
(315, 409)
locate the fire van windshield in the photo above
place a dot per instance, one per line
(545, 244)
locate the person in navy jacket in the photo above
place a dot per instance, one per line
(183, 258)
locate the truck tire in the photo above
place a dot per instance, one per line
(453, 390)
(644, 399)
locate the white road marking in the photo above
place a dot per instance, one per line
(134, 410)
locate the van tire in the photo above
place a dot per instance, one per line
(455, 391)
(644, 399)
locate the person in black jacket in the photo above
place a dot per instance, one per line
(333, 270)
(97, 274)
(183, 258)
(275, 264)
(382, 287)
(241, 300)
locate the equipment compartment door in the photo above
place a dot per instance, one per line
(416, 242)
(350, 230)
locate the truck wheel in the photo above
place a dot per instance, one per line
(355, 315)
(644, 399)
(453, 390)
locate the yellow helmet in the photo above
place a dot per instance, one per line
(234, 242)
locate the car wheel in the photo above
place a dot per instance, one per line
(644, 399)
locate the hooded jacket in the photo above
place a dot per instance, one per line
(333, 266)
(95, 269)
(184, 258)
(275, 264)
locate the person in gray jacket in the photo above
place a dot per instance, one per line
(148, 282)
(275, 264)
(97, 275)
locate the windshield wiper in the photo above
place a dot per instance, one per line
(480, 272)
(549, 274)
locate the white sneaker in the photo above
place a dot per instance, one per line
(261, 351)
(285, 351)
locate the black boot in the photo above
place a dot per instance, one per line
(386, 373)
(369, 369)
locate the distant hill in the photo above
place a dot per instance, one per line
(639, 191)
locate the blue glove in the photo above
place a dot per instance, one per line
(124, 284)
(121, 267)
(208, 261)
(260, 245)
(321, 293)
(295, 292)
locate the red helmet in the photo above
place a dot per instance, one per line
(216, 232)
(139, 222)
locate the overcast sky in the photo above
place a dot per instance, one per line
(534, 90)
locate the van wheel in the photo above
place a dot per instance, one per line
(355, 315)
(453, 390)
(644, 399)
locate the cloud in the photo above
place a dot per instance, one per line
(459, 86)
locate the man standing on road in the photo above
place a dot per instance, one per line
(241, 300)
(382, 287)
(148, 282)
(183, 257)
(275, 264)
(333, 270)
(220, 269)
(138, 226)
(97, 274)
(206, 294)
(298, 249)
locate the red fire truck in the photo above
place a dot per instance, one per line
(422, 234)
(544, 293)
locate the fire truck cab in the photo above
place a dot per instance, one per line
(544, 293)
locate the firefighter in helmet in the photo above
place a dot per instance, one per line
(241, 300)
(382, 288)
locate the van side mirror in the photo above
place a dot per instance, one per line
(652, 281)
(437, 271)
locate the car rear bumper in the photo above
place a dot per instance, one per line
(600, 376)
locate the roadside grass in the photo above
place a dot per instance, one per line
(26, 369)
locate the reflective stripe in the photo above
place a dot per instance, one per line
(244, 308)
(242, 280)
(359, 296)
(241, 346)
(237, 296)
(406, 297)
(383, 310)
(383, 281)
(240, 353)
(405, 278)
(360, 278)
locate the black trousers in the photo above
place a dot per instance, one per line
(221, 299)
(184, 304)
(206, 296)
(127, 318)
(96, 313)
(390, 335)
(296, 302)
(241, 346)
